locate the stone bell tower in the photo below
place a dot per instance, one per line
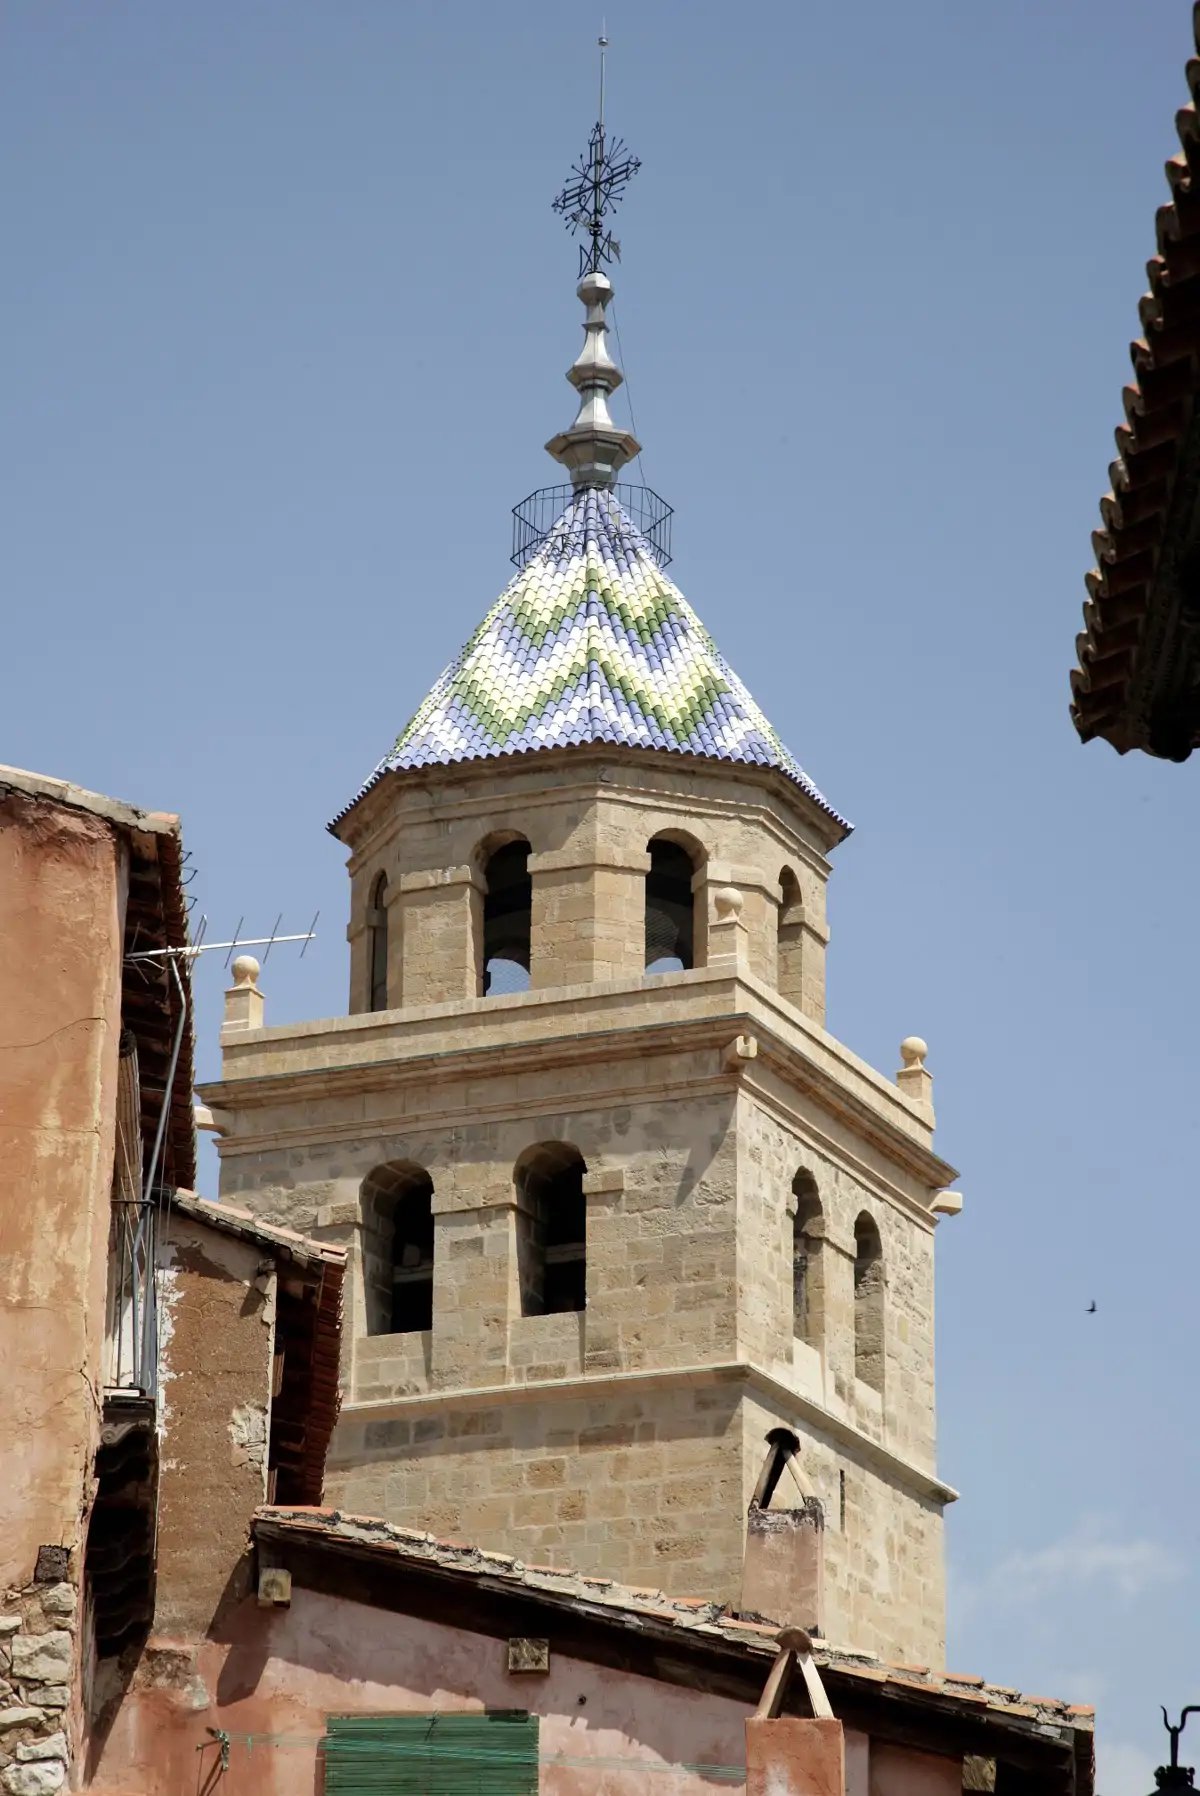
(622, 1215)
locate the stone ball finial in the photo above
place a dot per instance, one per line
(246, 970)
(728, 902)
(913, 1051)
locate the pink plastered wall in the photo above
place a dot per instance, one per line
(280, 1672)
(275, 1675)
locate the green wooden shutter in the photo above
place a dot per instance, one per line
(493, 1754)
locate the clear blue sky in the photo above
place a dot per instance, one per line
(285, 316)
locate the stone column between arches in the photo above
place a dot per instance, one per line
(441, 929)
(589, 912)
(475, 1290)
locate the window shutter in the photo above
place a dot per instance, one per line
(492, 1754)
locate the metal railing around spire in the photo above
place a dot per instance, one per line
(535, 517)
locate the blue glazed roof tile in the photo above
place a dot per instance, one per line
(591, 642)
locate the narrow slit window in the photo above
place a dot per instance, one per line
(808, 1271)
(868, 1303)
(377, 923)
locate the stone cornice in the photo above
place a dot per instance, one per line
(381, 821)
(610, 1385)
(391, 1050)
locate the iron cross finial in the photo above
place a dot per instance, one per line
(595, 187)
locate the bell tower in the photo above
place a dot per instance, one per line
(630, 1232)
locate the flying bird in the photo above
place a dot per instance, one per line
(1091, 1308)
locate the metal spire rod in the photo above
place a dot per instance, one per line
(596, 185)
(603, 42)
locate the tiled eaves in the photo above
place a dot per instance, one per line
(1151, 447)
(642, 1608)
(300, 1249)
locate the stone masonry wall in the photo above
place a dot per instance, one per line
(644, 1488)
(883, 1544)
(689, 1259)
(37, 1668)
(773, 1154)
(588, 818)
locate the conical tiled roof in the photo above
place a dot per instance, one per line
(591, 643)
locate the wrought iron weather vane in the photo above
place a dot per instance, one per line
(595, 188)
(595, 448)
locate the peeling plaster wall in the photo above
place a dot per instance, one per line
(277, 1674)
(216, 1379)
(63, 879)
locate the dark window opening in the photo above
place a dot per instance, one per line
(507, 914)
(552, 1231)
(670, 912)
(397, 1249)
(412, 1260)
(868, 1303)
(377, 923)
(807, 1269)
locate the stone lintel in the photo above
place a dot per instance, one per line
(598, 1387)
(587, 860)
(501, 1195)
(436, 877)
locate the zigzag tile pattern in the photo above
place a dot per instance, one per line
(591, 643)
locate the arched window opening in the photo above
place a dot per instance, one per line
(551, 1230)
(670, 909)
(398, 1249)
(789, 976)
(868, 1303)
(507, 913)
(377, 925)
(808, 1270)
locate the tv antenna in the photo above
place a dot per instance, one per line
(192, 951)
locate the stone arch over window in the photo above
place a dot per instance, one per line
(671, 903)
(397, 1207)
(377, 946)
(808, 1265)
(868, 1302)
(551, 1229)
(507, 916)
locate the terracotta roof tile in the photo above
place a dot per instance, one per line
(691, 1615)
(1118, 642)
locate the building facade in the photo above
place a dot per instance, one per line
(620, 1213)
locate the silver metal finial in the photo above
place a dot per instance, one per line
(594, 449)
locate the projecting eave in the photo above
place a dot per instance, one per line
(1137, 682)
(358, 822)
